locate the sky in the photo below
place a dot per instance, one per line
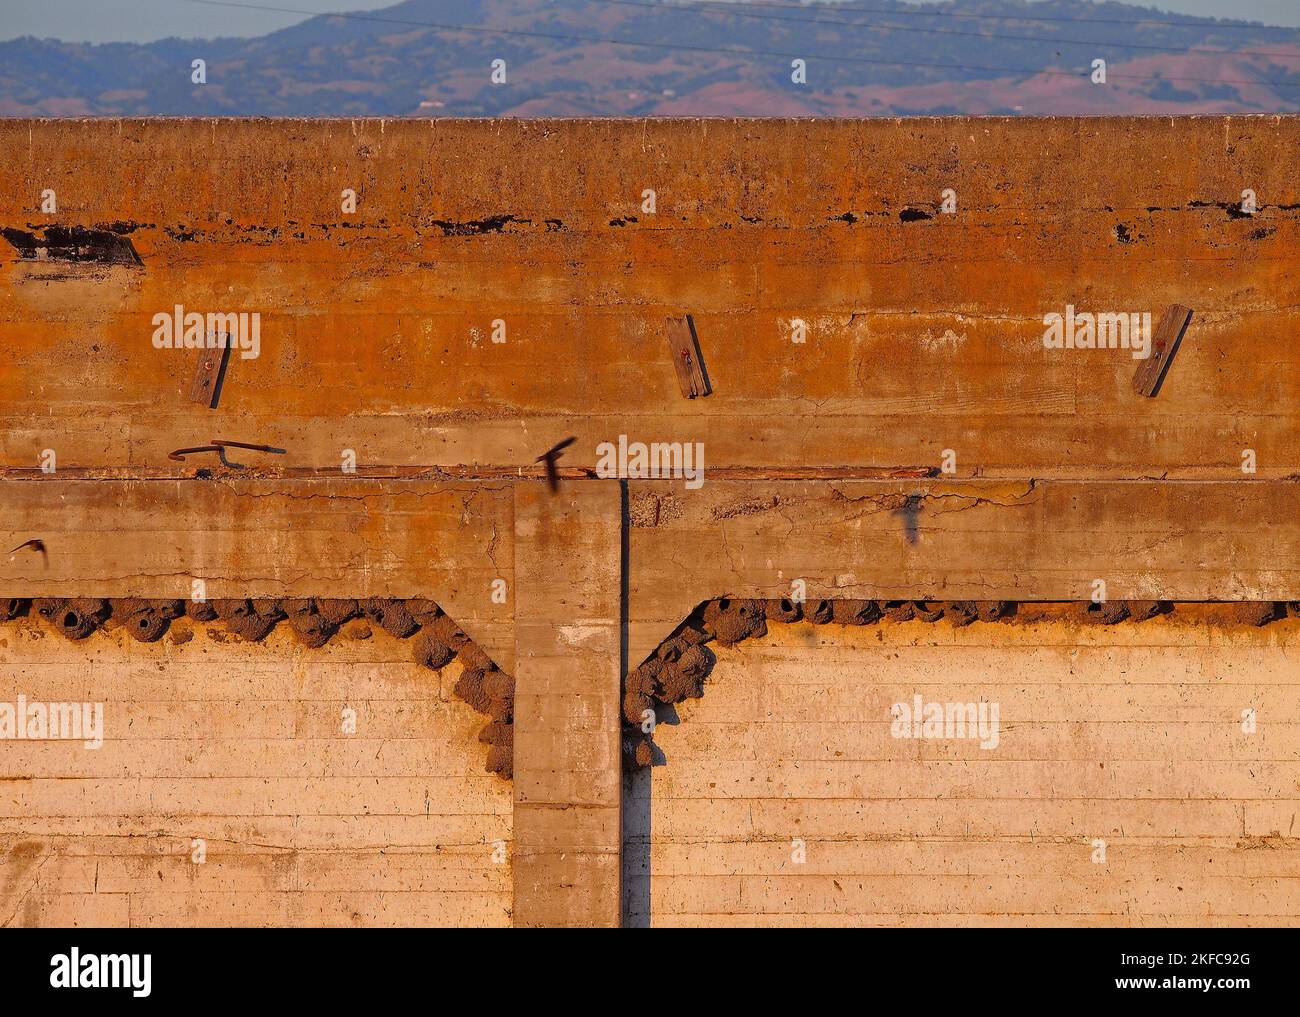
(146, 20)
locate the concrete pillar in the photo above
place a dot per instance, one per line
(569, 635)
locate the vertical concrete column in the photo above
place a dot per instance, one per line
(568, 670)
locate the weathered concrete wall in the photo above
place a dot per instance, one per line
(1127, 734)
(242, 745)
(924, 334)
(925, 328)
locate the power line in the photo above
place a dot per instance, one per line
(729, 51)
(853, 9)
(724, 10)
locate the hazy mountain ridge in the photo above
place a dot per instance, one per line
(390, 63)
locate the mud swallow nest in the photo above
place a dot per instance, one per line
(436, 640)
(675, 672)
(677, 669)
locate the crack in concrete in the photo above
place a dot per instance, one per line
(36, 881)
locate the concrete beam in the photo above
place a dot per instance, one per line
(325, 537)
(956, 540)
(568, 674)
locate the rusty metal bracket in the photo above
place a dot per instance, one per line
(243, 444)
(180, 454)
(219, 447)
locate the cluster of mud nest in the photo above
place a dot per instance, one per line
(436, 640)
(677, 669)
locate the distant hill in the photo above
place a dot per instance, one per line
(884, 59)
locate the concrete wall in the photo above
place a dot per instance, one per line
(924, 334)
(925, 328)
(1131, 734)
(242, 745)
